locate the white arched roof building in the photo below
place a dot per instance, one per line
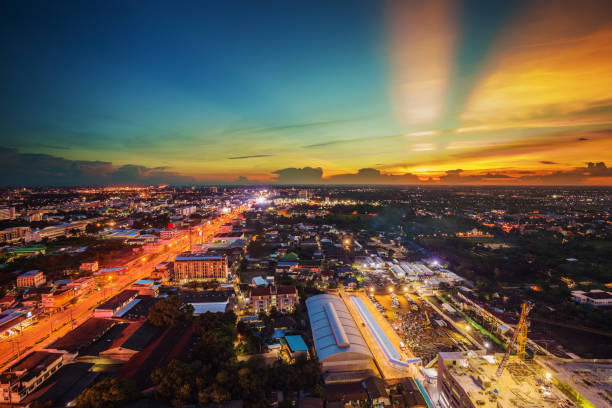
(338, 341)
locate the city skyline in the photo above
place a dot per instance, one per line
(325, 93)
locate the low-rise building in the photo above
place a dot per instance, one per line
(115, 304)
(82, 285)
(89, 266)
(146, 287)
(168, 234)
(58, 299)
(264, 298)
(26, 375)
(31, 279)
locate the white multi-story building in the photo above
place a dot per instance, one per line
(594, 298)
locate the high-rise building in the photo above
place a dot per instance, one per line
(200, 267)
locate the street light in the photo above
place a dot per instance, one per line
(487, 344)
(405, 288)
(468, 327)
(391, 289)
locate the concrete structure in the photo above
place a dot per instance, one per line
(595, 298)
(31, 279)
(26, 375)
(469, 381)
(264, 298)
(200, 267)
(339, 345)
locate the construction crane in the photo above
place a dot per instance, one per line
(519, 338)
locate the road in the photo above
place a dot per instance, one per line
(54, 326)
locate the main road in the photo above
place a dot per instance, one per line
(51, 327)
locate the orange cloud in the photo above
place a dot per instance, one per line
(551, 67)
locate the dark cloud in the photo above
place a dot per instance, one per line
(548, 162)
(249, 157)
(306, 175)
(373, 176)
(45, 170)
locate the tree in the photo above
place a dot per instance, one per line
(169, 312)
(110, 392)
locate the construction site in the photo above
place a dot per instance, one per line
(477, 378)
(420, 328)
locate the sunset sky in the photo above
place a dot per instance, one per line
(395, 92)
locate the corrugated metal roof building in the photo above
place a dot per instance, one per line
(339, 345)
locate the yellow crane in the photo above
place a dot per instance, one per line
(519, 338)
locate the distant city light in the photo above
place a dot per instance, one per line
(260, 200)
(225, 210)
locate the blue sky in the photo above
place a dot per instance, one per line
(210, 91)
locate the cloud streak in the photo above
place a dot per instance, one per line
(254, 156)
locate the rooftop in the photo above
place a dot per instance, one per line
(118, 300)
(333, 329)
(296, 343)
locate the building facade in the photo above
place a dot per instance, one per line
(283, 298)
(200, 267)
(31, 279)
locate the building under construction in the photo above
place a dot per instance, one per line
(470, 380)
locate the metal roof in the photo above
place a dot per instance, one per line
(333, 329)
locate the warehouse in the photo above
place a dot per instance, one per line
(339, 345)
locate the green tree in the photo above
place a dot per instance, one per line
(107, 393)
(169, 312)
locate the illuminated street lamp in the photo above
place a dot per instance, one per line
(391, 289)
(487, 344)
(405, 288)
(143, 259)
(347, 242)
(468, 327)
(371, 288)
